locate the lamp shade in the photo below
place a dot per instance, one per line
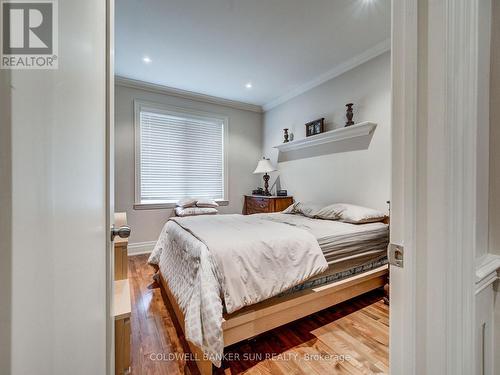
(264, 166)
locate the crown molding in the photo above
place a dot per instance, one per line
(336, 71)
(165, 90)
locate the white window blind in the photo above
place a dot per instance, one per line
(181, 156)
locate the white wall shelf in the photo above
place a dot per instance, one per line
(357, 130)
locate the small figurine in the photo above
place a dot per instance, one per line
(349, 114)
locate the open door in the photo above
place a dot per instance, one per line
(403, 193)
(57, 220)
(436, 145)
(110, 185)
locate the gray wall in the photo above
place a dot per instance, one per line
(361, 172)
(245, 139)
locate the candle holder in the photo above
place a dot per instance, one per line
(349, 114)
(286, 136)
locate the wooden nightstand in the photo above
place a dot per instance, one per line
(255, 204)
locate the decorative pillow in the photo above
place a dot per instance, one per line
(328, 213)
(206, 203)
(194, 211)
(353, 214)
(187, 202)
(306, 209)
(289, 209)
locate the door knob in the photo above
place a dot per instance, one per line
(122, 232)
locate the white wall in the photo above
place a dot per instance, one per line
(244, 151)
(360, 174)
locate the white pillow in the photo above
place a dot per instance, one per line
(328, 213)
(194, 211)
(289, 209)
(353, 214)
(187, 202)
(303, 208)
(205, 202)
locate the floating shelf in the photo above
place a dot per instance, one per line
(353, 131)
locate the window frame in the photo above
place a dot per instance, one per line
(139, 106)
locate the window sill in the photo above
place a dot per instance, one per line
(162, 206)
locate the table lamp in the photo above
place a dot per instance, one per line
(265, 166)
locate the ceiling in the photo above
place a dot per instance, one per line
(216, 47)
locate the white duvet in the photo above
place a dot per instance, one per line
(246, 259)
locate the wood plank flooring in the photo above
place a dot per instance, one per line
(350, 338)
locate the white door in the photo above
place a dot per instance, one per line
(57, 120)
(403, 188)
(434, 184)
(110, 181)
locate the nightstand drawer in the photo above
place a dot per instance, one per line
(256, 205)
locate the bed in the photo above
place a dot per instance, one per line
(237, 290)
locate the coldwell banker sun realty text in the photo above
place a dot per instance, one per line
(29, 34)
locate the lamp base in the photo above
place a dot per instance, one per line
(266, 184)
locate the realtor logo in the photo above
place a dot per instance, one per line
(28, 34)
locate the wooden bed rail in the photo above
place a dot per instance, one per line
(274, 312)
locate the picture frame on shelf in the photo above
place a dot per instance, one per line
(315, 127)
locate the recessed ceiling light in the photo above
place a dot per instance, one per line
(248, 85)
(147, 59)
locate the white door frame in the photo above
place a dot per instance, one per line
(434, 152)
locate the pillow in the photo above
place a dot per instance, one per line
(194, 211)
(207, 203)
(353, 214)
(306, 209)
(187, 202)
(289, 209)
(328, 213)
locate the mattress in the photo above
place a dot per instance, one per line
(341, 243)
(333, 273)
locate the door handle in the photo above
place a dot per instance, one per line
(122, 232)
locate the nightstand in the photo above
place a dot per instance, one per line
(255, 204)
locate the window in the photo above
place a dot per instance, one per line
(179, 153)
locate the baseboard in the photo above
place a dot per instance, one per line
(140, 248)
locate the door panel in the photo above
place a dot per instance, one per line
(403, 184)
(59, 203)
(110, 183)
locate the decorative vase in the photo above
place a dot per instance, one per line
(285, 135)
(349, 114)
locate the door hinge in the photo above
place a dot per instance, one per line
(395, 254)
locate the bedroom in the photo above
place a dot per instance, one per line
(196, 112)
(150, 110)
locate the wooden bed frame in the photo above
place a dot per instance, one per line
(274, 312)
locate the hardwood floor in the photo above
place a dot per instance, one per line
(350, 338)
